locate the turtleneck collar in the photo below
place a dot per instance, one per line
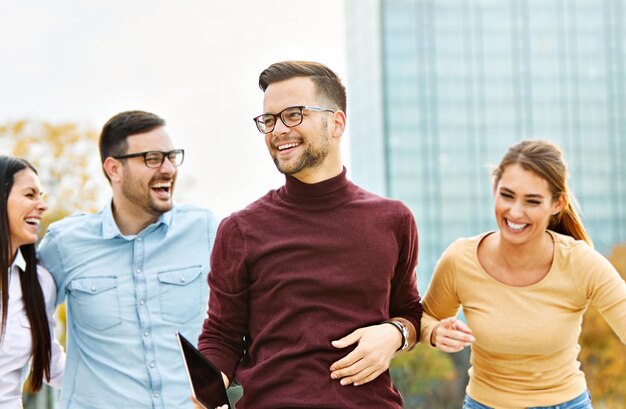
(327, 193)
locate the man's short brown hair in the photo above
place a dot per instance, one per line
(327, 83)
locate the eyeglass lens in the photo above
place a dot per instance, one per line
(156, 159)
(290, 117)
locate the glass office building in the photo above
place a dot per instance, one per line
(438, 90)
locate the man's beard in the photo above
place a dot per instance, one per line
(311, 158)
(141, 197)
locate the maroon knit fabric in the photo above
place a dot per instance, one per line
(301, 267)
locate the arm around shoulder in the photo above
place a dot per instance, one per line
(50, 258)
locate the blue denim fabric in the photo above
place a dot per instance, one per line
(583, 401)
(469, 403)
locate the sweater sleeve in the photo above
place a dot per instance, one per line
(605, 288)
(441, 300)
(223, 332)
(405, 300)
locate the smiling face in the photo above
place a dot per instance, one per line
(148, 190)
(24, 207)
(309, 151)
(523, 205)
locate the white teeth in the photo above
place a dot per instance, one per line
(515, 226)
(162, 185)
(32, 220)
(287, 146)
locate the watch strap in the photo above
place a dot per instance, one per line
(404, 331)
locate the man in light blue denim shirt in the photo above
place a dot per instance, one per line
(132, 275)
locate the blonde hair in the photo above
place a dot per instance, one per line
(545, 159)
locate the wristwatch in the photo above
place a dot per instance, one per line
(404, 331)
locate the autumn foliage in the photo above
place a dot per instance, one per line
(66, 158)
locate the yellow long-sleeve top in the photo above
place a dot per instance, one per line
(526, 347)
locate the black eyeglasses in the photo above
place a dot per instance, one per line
(291, 117)
(155, 159)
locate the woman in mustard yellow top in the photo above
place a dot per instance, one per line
(524, 289)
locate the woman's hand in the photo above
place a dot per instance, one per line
(451, 335)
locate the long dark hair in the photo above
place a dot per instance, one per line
(545, 160)
(34, 302)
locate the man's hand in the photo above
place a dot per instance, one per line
(376, 347)
(451, 335)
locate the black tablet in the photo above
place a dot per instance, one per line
(206, 382)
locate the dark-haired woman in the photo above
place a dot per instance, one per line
(524, 289)
(27, 290)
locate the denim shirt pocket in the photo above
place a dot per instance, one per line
(180, 294)
(94, 302)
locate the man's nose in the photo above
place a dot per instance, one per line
(280, 128)
(167, 167)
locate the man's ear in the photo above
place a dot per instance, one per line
(113, 169)
(339, 123)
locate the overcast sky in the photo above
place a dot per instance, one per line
(195, 63)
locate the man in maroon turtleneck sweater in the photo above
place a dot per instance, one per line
(313, 287)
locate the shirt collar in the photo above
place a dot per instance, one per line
(110, 229)
(19, 261)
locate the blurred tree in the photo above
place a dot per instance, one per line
(66, 158)
(67, 161)
(426, 378)
(602, 353)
